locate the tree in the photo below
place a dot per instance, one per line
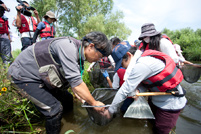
(42, 6)
(111, 25)
(188, 40)
(75, 14)
(78, 17)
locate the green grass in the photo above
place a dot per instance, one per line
(86, 77)
(15, 53)
(16, 113)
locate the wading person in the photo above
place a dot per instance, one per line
(157, 72)
(46, 28)
(152, 39)
(45, 70)
(26, 24)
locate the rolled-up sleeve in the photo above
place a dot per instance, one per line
(67, 54)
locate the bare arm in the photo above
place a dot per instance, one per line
(109, 82)
(187, 62)
(37, 17)
(18, 19)
(83, 92)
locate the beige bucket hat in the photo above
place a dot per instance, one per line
(50, 14)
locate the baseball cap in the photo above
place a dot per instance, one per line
(118, 52)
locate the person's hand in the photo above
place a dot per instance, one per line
(105, 74)
(18, 8)
(35, 12)
(89, 69)
(136, 97)
(4, 6)
(99, 109)
(196, 65)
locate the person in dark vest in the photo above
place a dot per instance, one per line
(26, 25)
(5, 45)
(154, 71)
(152, 39)
(46, 28)
(44, 71)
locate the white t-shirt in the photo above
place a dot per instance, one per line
(115, 83)
(167, 48)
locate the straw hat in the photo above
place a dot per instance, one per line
(147, 30)
(50, 14)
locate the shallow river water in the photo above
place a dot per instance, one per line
(189, 121)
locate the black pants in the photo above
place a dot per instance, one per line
(5, 51)
(51, 103)
(26, 42)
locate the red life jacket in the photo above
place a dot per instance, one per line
(3, 26)
(167, 79)
(147, 47)
(47, 31)
(25, 26)
(165, 36)
(121, 72)
(104, 62)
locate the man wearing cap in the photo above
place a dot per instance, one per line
(26, 25)
(152, 39)
(46, 28)
(150, 67)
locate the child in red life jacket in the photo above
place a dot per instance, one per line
(46, 28)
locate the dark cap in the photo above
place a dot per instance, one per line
(147, 30)
(118, 52)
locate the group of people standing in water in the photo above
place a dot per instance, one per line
(44, 70)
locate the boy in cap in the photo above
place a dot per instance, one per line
(46, 28)
(157, 72)
(152, 39)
